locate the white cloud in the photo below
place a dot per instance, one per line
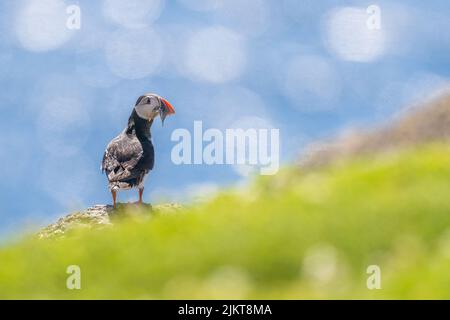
(216, 55)
(134, 54)
(41, 25)
(133, 13)
(348, 36)
(311, 83)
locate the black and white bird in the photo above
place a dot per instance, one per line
(130, 156)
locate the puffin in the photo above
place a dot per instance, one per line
(130, 156)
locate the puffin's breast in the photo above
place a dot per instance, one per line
(148, 159)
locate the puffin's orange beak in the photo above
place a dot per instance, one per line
(170, 109)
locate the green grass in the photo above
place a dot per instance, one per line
(292, 236)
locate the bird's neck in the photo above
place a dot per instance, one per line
(138, 126)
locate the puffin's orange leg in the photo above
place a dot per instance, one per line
(114, 195)
(141, 191)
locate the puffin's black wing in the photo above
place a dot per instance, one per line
(123, 159)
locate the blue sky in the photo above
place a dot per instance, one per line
(309, 68)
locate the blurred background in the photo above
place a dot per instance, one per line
(309, 68)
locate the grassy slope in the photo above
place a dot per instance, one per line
(296, 235)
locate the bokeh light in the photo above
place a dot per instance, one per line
(216, 55)
(130, 57)
(235, 103)
(41, 25)
(348, 36)
(132, 13)
(311, 83)
(250, 17)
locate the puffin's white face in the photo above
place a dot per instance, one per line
(148, 106)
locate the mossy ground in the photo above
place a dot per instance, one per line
(292, 236)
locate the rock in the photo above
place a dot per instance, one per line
(94, 217)
(101, 216)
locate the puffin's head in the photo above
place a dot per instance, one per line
(150, 105)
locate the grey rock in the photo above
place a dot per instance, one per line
(97, 216)
(101, 216)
